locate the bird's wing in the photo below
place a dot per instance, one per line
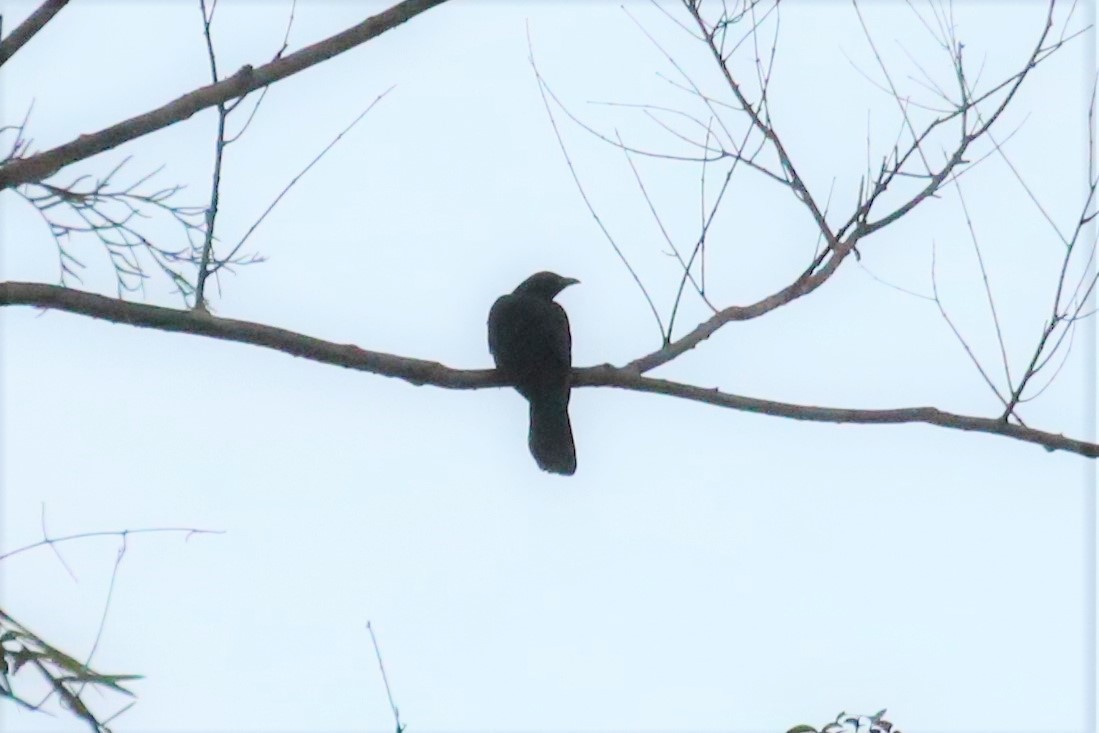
(562, 337)
(506, 324)
(525, 331)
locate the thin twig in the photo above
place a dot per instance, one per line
(385, 679)
(286, 189)
(958, 335)
(107, 533)
(106, 609)
(219, 153)
(544, 90)
(663, 231)
(987, 286)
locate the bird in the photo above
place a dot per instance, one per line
(529, 338)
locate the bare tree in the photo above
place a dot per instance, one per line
(934, 146)
(724, 135)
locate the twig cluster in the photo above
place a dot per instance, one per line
(734, 133)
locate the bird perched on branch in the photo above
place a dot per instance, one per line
(528, 335)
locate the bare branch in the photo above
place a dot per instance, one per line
(103, 616)
(544, 89)
(114, 215)
(809, 281)
(768, 132)
(219, 154)
(29, 28)
(961, 339)
(901, 102)
(385, 679)
(684, 265)
(247, 79)
(894, 286)
(46, 540)
(985, 283)
(1064, 315)
(608, 376)
(415, 371)
(421, 372)
(966, 139)
(231, 257)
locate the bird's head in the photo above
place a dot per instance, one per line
(545, 284)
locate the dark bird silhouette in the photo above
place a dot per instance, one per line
(528, 335)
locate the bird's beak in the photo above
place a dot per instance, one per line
(569, 281)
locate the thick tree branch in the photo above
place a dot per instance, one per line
(421, 372)
(29, 28)
(37, 167)
(416, 371)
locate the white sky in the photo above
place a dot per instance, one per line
(705, 569)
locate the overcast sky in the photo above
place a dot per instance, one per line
(705, 569)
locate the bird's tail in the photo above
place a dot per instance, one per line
(551, 434)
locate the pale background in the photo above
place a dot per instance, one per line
(705, 569)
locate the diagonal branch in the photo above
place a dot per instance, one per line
(247, 79)
(421, 372)
(29, 28)
(806, 283)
